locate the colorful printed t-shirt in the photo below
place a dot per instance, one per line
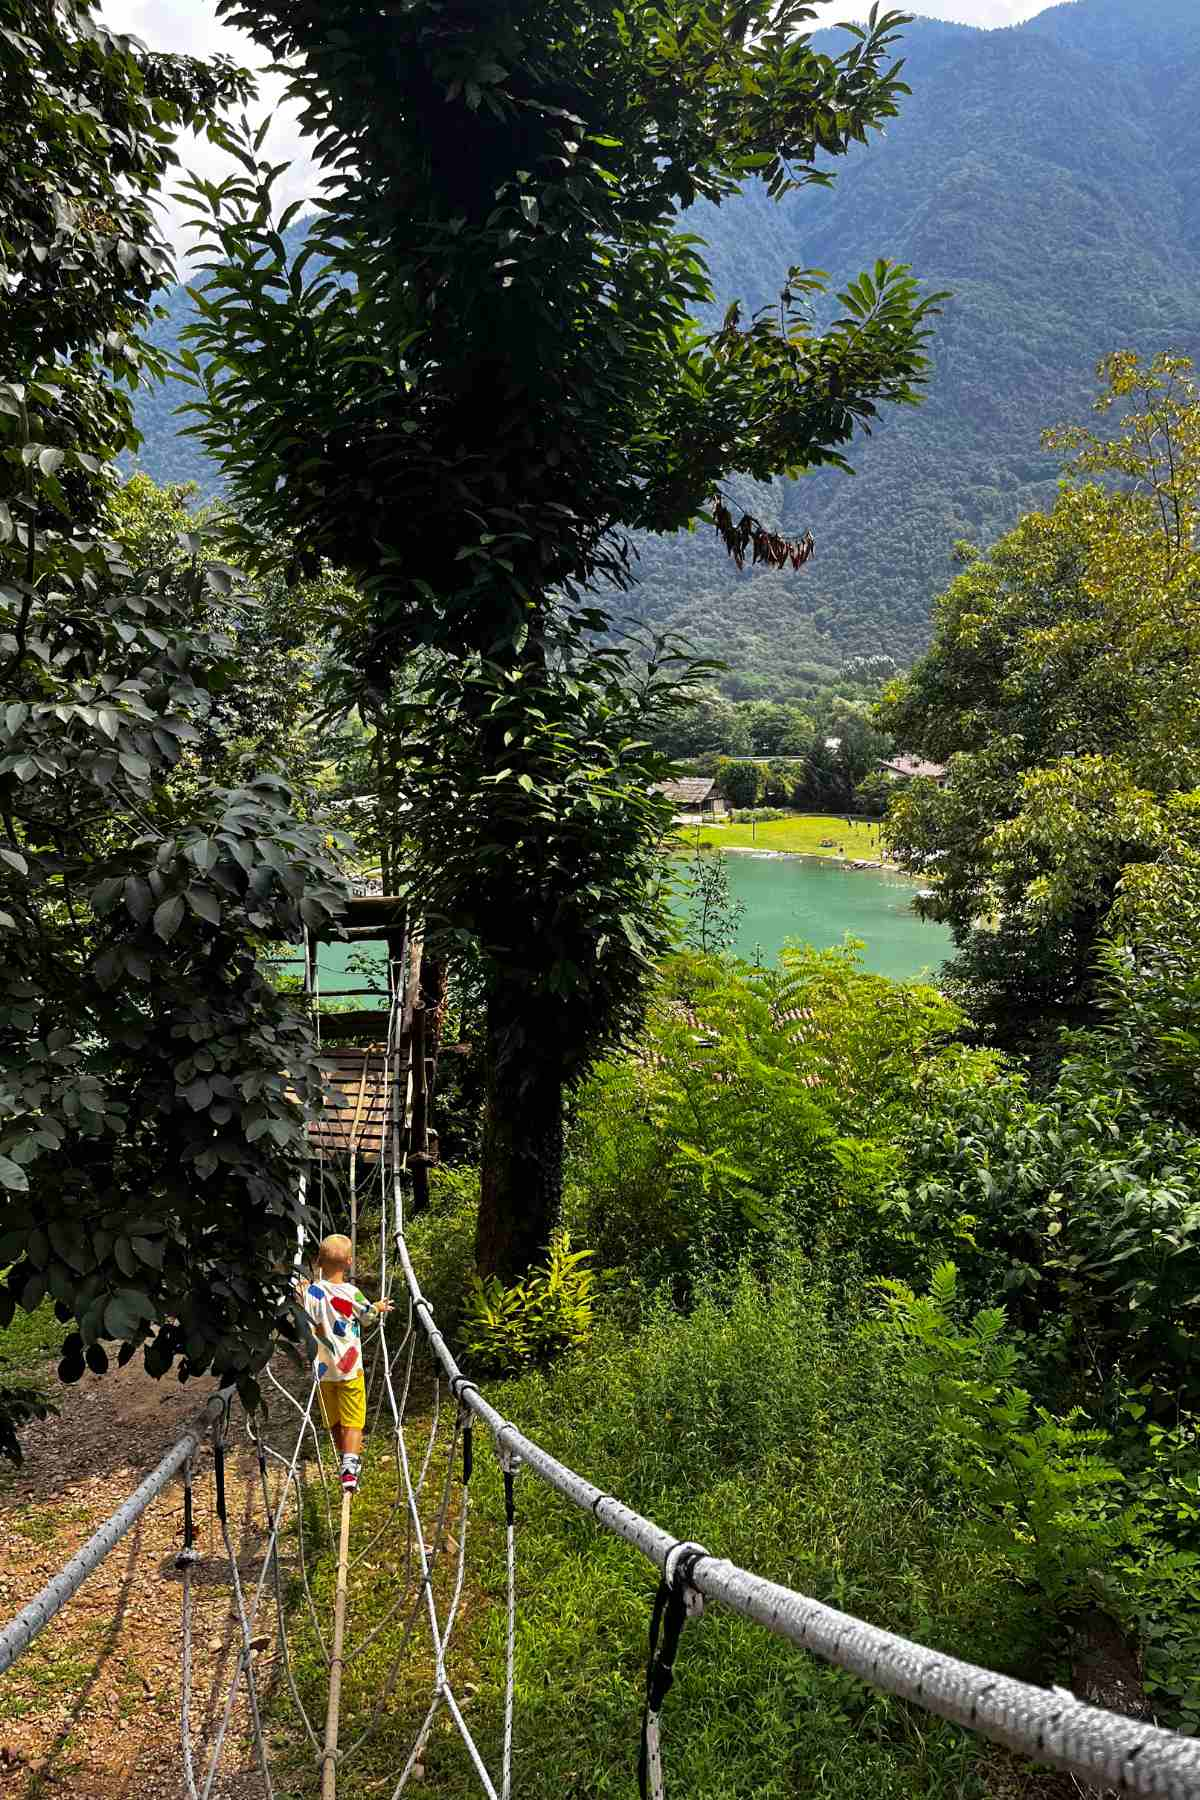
(333, 1308)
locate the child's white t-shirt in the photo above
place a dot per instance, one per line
(333, 1308)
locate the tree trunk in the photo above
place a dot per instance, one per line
(521, 1188)
(435, 998)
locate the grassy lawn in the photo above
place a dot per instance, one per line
(29, 1342)
(27, 1346)
(801, 834)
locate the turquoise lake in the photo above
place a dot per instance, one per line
(819, 902)
(785, 897)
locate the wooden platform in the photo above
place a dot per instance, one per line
(380, 916)
(356, 1109)
(354, 1114)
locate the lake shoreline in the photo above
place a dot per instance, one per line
(838, 862)
(798, 896)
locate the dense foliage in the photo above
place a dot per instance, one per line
(478, 377)
(906, 1322)
(880, 1323)
(149, 1121)
(543, 866)
(1061, 691)
(1007, 179)
(822, 757)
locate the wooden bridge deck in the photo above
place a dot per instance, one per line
(354, 1113)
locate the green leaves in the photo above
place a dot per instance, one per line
(714, 916)
(13, 1175)
(168, 916)
(143, 888)
(1043, 1481)
(126, 1312)
(1059, 685)
(529, 258)
(204, 903)
(504, 1329)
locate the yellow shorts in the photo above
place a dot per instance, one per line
(345, 1402)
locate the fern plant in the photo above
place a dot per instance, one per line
(504, 1329)
(1043, 1482)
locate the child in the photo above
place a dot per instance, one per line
(333, 1304)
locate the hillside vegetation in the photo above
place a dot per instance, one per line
(1049, 176)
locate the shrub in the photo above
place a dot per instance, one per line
(506, 1328)
(759, 1116)
(1045, 1484)
(768, 1425)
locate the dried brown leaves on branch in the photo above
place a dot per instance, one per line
(768, 546)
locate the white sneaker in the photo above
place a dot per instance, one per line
(351, 1465)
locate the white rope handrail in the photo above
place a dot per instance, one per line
(1047, 1725)
(20, 1632)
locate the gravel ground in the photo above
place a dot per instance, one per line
(91, 1711)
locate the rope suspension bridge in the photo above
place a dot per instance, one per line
(432, 1416)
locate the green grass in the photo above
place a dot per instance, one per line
(48, 1669)
(35, 1525)
(27, 1345)
(802, 834)
(29, 1342)
(375, 1584)
(779, 1434)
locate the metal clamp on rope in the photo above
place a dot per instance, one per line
(510, 1462)
(459, 1385)
(675, 1602)
(219, 1473)
(189, 1554)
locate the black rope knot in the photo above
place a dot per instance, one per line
(669, 1615)
(508, 1468)
(219, 1472)
(459, 1385)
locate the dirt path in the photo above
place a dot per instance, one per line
(91, 1710)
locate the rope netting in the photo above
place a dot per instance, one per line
(407, 1566)
(366, 1595)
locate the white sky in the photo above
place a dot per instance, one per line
(191, 27)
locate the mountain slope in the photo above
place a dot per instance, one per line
(1028, 173)
(1049, 175)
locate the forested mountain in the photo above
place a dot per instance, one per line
(1049, 175)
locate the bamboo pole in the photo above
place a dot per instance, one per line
(329, 1758)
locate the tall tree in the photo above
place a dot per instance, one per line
(149, 1142)
(482, 372)
(1061, 691)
